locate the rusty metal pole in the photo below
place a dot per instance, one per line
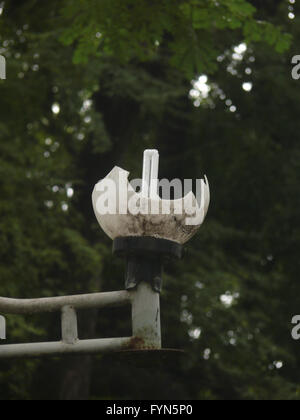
(144, 265)
(146, 316)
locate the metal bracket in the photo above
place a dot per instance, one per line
(67, 305)
(146, 330)
(143, 269)
(144, 259)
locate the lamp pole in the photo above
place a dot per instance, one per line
(143, 279)
(145, 240)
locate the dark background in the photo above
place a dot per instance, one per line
(230, 302)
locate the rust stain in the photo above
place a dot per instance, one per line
(137, 343)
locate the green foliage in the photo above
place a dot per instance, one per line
(131, 30)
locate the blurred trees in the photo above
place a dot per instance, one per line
(90, 85)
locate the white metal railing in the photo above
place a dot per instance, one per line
(145, 322)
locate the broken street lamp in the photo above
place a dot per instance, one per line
(145, 229)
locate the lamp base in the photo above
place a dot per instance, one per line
(145, 256)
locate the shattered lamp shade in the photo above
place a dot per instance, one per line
(122, 212)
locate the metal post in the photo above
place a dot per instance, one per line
(144, 262)
(2, 328)
(146, 315)
(69, 328)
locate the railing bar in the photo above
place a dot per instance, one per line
(103, 345)
(89, 301)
